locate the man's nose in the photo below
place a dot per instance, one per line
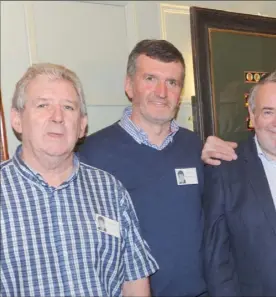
(57, 114)
(161, 90)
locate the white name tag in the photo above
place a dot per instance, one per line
(186, 176)
(107, 225)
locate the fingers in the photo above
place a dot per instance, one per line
(216, 148)
(221, 152)
(232, 144)
(220, 156)
(212, 162)
(214, 141)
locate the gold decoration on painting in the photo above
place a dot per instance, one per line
(253, 76)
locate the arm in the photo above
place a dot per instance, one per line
(216, 148)
(136, 288)
(219, 266)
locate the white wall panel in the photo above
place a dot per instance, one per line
(102, 116)
(14, 57)
(89, 38)
(148, 19)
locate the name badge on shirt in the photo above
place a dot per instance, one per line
(107, 225)
(186, 176)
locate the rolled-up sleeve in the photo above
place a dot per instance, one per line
(138, 261)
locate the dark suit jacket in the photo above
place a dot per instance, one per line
(240, 234)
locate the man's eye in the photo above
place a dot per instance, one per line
(172, 82)
(42, 105)
(149, 78)
(68, 107)
(268, 112)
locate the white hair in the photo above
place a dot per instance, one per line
(267, 78)
(52, 71)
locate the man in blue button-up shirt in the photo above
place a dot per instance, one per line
(52, 243)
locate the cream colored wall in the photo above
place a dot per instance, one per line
(94, 38)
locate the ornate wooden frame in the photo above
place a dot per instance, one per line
(203, 21)
(4, 154)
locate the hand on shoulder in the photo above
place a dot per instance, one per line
(216, 149)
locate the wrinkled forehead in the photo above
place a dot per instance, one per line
(148, 64)
(49, 88)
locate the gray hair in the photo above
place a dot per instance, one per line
(53, 72)
(161, 50)
(267, 78)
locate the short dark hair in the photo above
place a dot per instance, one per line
(180, 172)
(157, 49)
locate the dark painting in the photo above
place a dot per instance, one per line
(231, 52)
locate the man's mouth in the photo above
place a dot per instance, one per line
(55, 134)
(158, 103)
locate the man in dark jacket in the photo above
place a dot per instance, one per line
(239, 204)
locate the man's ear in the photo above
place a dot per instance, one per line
(128, 87)
(83, 125)
(16, 120)
(252, 116)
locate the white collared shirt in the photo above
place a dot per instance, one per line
(270, 170)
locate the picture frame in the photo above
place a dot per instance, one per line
(4, 153)
(227, 49)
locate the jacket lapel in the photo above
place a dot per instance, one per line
(259, 183)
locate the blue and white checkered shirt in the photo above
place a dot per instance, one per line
(139, 135)
(50, 244)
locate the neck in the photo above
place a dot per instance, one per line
(54, 169)
(269, 155)
(156, 132)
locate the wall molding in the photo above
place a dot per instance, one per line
(30, 30)
(166, 9)
(131, 24)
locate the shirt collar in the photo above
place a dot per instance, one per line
(36, 177)
(261, 153)
(139, 134)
